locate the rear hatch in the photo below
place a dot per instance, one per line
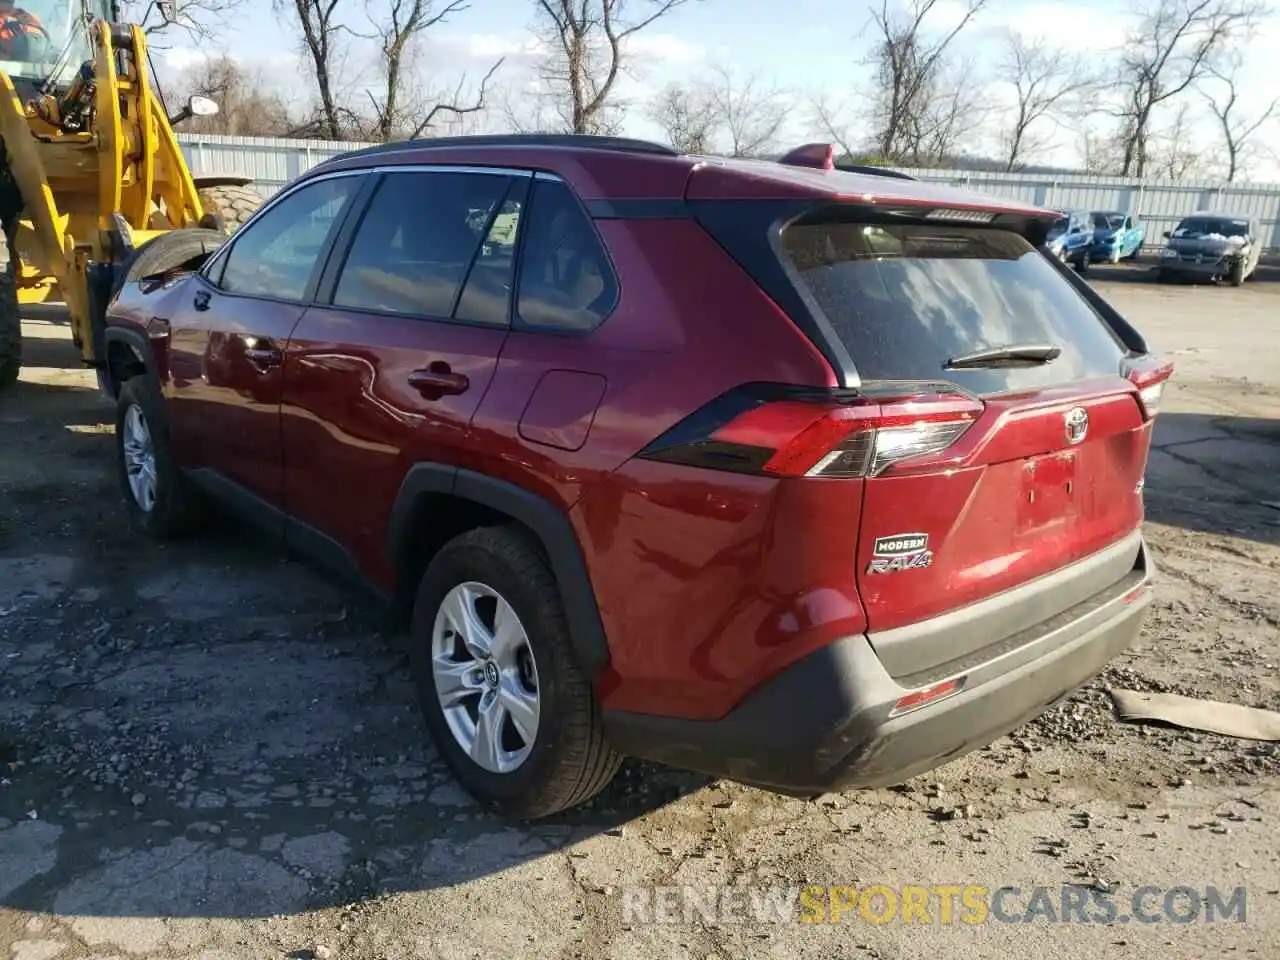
(1004, 435)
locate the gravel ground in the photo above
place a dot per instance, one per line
(208, 752)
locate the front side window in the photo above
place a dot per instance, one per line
(416, 243)
(277, 254)
(566, 279)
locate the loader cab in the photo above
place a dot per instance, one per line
(46, 39)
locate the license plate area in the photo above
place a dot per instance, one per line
(1049, 492)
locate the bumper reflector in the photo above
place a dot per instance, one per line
(920, 698)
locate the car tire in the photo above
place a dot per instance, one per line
(161, 502)
(1235, 274)
(471, 689)
(1082, 264)
(169, 250)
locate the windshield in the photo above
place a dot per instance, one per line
(1211, 228)
(1108, 221)
(35, 33)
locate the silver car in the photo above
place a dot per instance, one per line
(1211, 246)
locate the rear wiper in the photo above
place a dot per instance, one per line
(1017, 354)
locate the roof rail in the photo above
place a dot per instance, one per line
(570, 140)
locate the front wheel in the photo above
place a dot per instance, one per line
(160, 500)
(1083, 261)
(1235, 275)
(510, 711)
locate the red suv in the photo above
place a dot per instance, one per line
(801, 476)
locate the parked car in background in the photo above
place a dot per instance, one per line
(1211, 246)
(798, 476)
(1116, 236)
(1071, 238)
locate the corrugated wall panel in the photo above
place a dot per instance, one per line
(273, 163)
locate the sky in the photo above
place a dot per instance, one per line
(808, 48)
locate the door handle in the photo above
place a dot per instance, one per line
(202, 300)
(261, 354)
(437, 380)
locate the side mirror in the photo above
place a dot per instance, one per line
(1166, 235)
(196, 107)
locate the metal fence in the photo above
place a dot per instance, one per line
(1159, 205)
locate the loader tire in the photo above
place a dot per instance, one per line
(10, 321)
(232, 205)
(169, 250)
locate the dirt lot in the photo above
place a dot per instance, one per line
(208, 752)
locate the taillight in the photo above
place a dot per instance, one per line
(1150, 380)
(797, 433)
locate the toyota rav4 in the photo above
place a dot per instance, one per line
(802, 476)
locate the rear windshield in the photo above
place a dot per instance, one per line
(1108, 221)
(907, 299)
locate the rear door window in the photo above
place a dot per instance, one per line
(907, 299)
(414, 247)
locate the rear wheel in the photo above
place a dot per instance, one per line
(508, 707)
(232, 205)
(1083, 261)
(10, 320)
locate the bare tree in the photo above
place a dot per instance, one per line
(1173, 46)
(198, 19)
(907, 62)
(320, 26)
(949, 112)
(687, 118)
(1224, 101)
(750, 111)
(588, 39)
(452, 104)
(1100, 151)
(1175, 151)
(1047, 83)
(828, 118)
(246, 107)
(396, 23)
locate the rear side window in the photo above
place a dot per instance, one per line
(905, 300)
(415, 244)
(566, 279)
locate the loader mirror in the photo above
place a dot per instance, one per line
(196, 107)
(202, 107)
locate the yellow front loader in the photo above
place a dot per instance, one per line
(91, 169)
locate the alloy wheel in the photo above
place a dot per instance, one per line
(139, 458)
(486, 677)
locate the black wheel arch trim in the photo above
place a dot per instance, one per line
(137, 342)
(548, 523)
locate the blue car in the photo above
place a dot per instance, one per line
(1116, 236)
(1071, 238)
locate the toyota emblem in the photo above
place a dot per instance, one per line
(1076, 424)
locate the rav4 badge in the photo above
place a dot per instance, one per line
(902, 551)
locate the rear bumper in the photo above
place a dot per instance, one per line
(827, 722)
